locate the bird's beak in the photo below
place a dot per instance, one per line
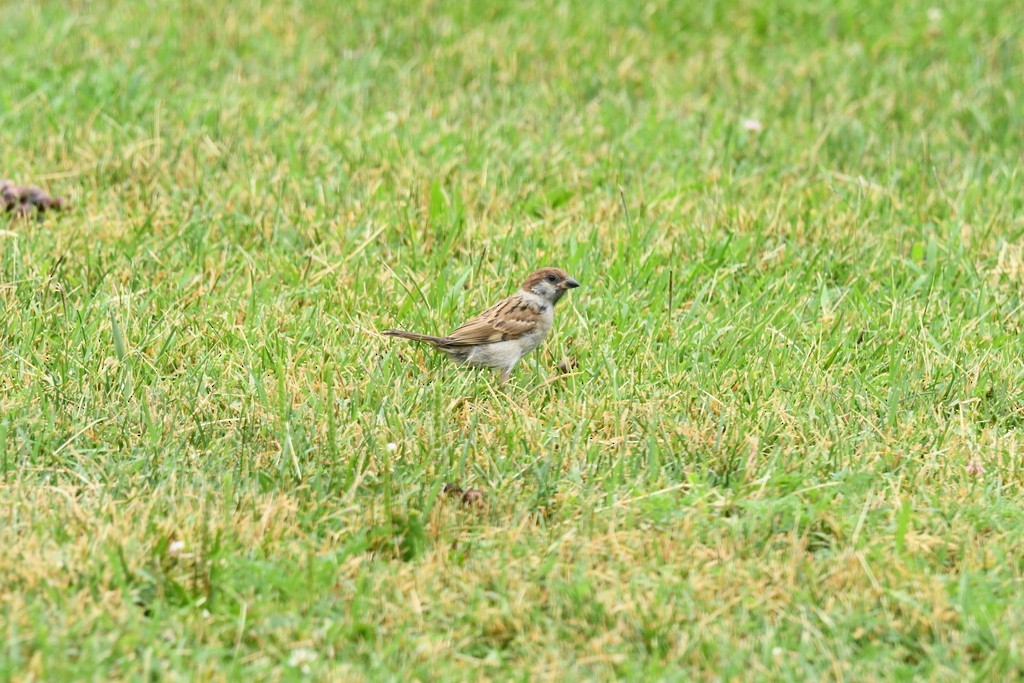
(569, 283)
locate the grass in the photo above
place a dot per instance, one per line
(797, 347)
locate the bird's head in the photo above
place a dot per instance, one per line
(550, 283)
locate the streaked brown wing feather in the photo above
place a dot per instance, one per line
(508, 319)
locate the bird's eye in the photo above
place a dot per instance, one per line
(552, 278)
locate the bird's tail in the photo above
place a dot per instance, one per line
(430, 339)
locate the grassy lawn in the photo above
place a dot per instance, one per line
(790, 441)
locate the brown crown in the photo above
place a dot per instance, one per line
(541, 274)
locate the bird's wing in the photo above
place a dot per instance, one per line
(509, 319)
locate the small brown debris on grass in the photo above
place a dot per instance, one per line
(471, 498)
(25, 200)
(452, 490)
(474, 498)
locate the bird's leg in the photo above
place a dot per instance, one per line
(505, 376)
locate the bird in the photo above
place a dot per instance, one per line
(504, 333)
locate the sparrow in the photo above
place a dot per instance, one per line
(504, 333)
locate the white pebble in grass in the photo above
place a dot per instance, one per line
(752, 125)
(300, 658)
(174, 548)
(934, 15)
(392, 447)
